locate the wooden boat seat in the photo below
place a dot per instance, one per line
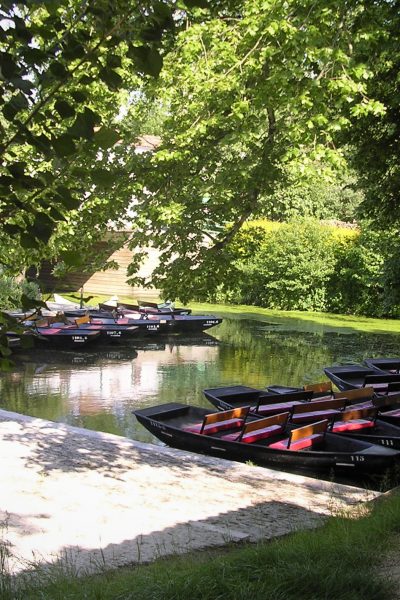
(303, 437)
(363, 393)
(260, 429)
(353, 420)
(215, 422)
(82, 320)
(309, 411)
(324, 387)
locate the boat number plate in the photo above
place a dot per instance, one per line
(386, 442)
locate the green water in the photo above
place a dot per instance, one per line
(98, 389)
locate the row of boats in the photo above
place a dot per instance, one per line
(66, 324)
(350, 422)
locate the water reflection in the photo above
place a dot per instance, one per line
(98, 389)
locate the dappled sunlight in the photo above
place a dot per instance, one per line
(91, 498)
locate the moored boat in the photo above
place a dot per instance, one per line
(348, 377)
(270, 441)
(65, 338)
(390, 365)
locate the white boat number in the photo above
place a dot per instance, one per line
(387, 442)
(152, 327)
(114, 333)
(78, 338)
(357, 458)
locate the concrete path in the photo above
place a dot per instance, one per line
(87, 501)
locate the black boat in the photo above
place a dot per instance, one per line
(390, 365)
(348, 377)
(166, 324)
(62, 337)
(353, 413)
(270, 441)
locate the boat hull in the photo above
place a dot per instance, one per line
(338, 453)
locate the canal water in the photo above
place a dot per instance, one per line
(98, 388)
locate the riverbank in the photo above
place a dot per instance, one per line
(87, 501)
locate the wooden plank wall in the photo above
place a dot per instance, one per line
(109, 283)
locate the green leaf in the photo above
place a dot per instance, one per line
(196, 3)
(58, 70)
(22, 84)
(10, 111)
(8, 66)
(12, 229)
(147, 59)
(83, 126)
(111, 78)
(106, 137)
(65, 197)
(42, 227)
(64, 109)
(28, 241)
(73, 49)
(64, 145)
(17, 169)
(113, 61)
(102, 177)
(79, 96)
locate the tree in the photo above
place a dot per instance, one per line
(251, 97)
(64, 67)
(374, 139)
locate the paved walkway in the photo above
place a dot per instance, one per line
(90, 500)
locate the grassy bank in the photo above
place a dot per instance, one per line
(333, 321)
(346, 559)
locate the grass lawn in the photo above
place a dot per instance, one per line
(343, 322)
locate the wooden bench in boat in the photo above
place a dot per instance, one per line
(259, 429)
(354, 419)
(321, 390)
(215, 422)
(360, 396)
(82, 320)
(303, 437)
(310, 411)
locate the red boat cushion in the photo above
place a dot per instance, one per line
(215, 427)
(253, 436)
(305, 442)
(50, 331)
(352, 425)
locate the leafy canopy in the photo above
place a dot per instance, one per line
(251, 97)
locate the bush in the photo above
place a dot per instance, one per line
(11, 291)
(304, 265)
(292, 268)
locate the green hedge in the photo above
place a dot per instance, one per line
(304, 265)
